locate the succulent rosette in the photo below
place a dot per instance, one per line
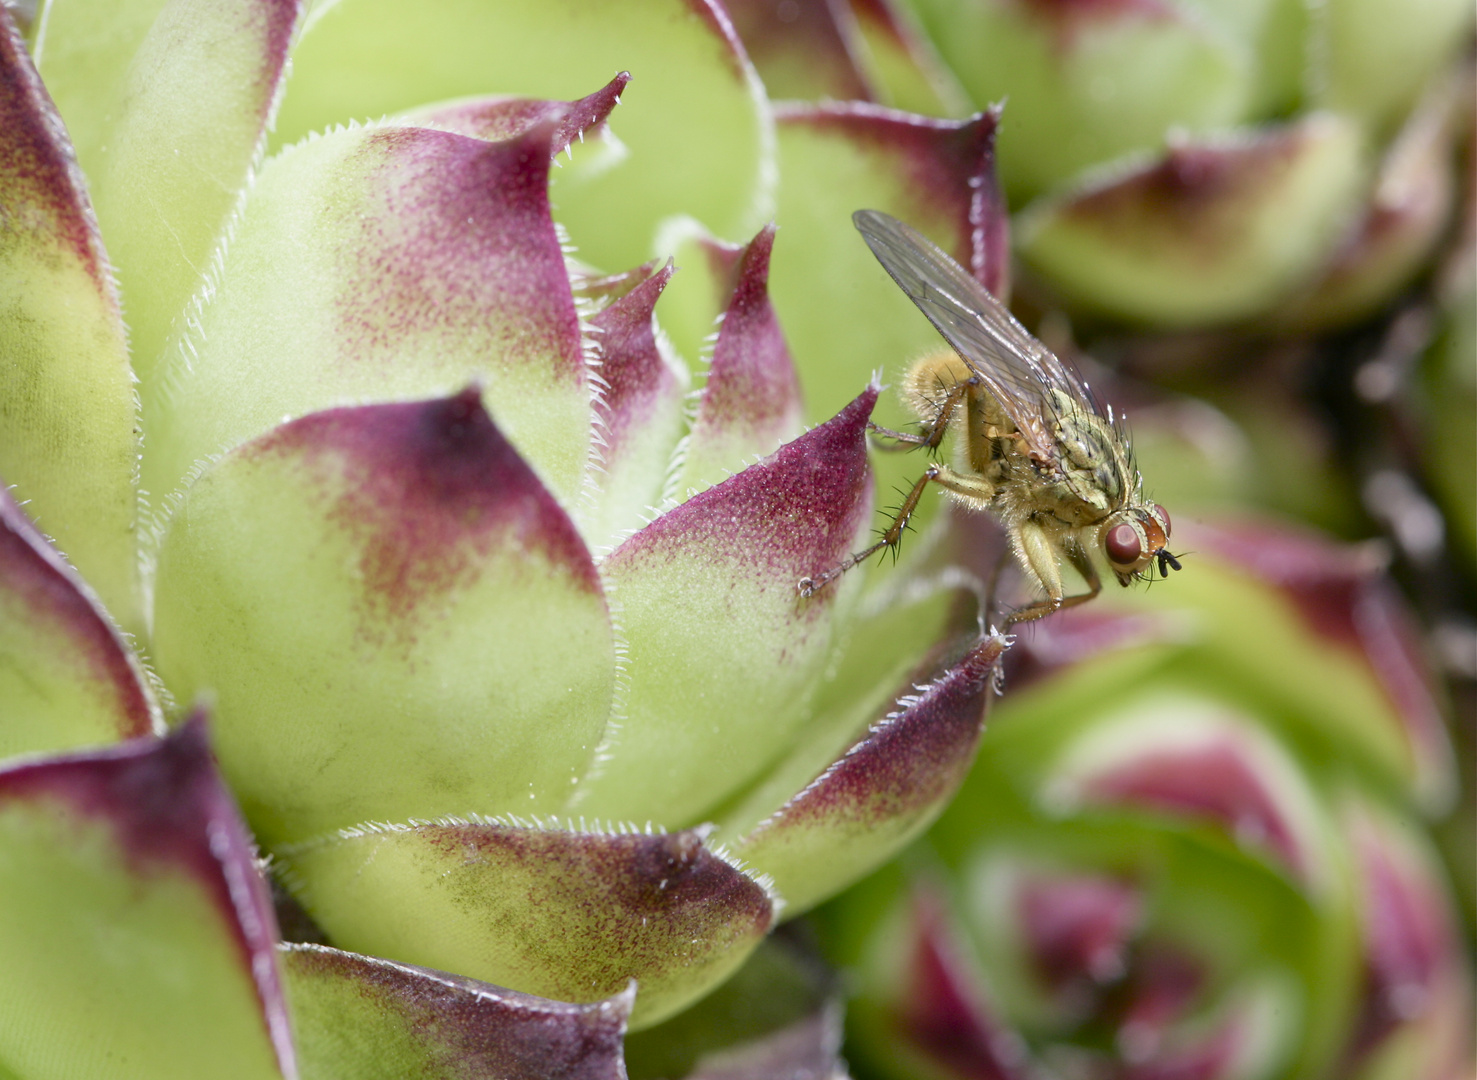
(337, 418)
(1193, 848)
(1176, 163)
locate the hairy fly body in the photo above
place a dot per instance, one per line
(1036, 450)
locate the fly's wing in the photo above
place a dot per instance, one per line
(1013, 365)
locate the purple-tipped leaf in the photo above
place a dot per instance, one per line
(1197, 762)
(367, 1017)
(941, 1007)
(395, 616)
(1212, 231)
(805, 49)
(723, 651)
(501, 118)
(67, 677)
(133, 921)
(695, 126)
(640, 408)
(842, 314)
(68, 442)
(567, 915)
(1353, 611)
(386, 263)
(751, 400)
(882, 792)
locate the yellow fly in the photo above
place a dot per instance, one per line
(1037, 451)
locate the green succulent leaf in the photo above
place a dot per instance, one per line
(1212, 231)
(839, 309)
(564, 914)
(695, 123)
(1090, 82)
(361, 1018)
(345, 585)
(750, 403)
(722, 652)
(139, 937)
(68, 430)
(1372, 59)
(168, 105)
(882, 792)
(640, 408)
(385, 263)
(67, 678)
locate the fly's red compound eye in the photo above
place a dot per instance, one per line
(1163, 516)
(1123, 546)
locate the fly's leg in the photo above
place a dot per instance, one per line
(935, 429)
(892, 536)
(1040, 554)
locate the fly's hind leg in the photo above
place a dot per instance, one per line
(934, 428)
(892, 536)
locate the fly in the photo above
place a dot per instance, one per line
(1036, 449)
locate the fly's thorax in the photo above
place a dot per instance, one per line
(1093, 460)
(1131, 538)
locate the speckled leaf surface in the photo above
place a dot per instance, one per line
(138, 937)
(395, 616)
(67, 678)
(843, 316)
(1213, 230)
(750, 402)
(723, 651)
(564, 914)
(67, 426)
(894, 641)
(168, 104)
(882, 792)
(387, 263)
(640, 408)
(362, 1018)
(695, 124)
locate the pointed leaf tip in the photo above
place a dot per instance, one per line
(66, 674)
(797, 509)
(569, 915)
(500, 118)
(429, 486)
(945, 169)
(878, 795)
(751, 402)
(388, 1017)
(170, 821)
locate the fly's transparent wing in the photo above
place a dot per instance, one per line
(1013, 365)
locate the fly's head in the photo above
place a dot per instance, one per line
(1133, 538)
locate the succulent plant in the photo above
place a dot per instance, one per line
(355, 439)
(1176, 163)
(1192, 847)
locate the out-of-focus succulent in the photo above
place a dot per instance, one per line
(496, 625)
(1179, 163)
(1193, 848)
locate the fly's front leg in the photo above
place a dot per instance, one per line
(892, 536)
(1041, 552)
